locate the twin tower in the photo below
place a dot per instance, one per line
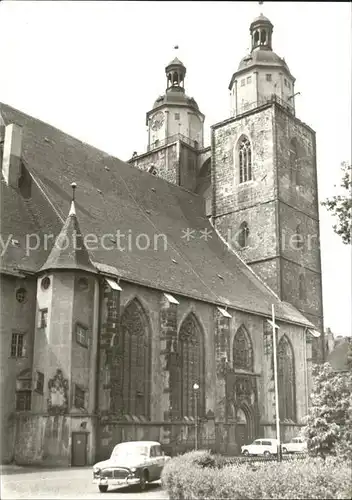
(259, 176)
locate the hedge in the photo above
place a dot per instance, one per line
(201, 475)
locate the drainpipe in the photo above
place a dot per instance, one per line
(305, 333)
(94, 367)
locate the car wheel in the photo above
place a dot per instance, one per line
(284, 450)
(246, 453)
(103, 488)
(144, 480)
(267, 453)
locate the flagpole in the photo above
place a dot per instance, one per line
(276, 387)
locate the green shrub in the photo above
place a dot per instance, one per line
(199, 475)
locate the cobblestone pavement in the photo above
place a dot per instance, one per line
(31, 483)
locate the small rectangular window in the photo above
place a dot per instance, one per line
(17, 341)
(43, 318)
(177, 116)
(285, 81)
(79, 397)
(268, 77)
(40, 383)
(243, 82)
(23, 400)
(249, 79)
(81, 335)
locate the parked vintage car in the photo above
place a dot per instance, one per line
(264, 446)
(131, 463)
(296, 445)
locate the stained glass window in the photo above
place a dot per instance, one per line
(242, 350)
(192, 368)
(286, 380)
(245, 160)
(135, 360)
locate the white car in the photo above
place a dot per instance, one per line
(296, 445)
(131, 463)
(264, 446)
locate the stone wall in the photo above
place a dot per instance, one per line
(188, 167)
(46, 440)
(276, 202)
(165, 161)
(16, 317)
(229, 194)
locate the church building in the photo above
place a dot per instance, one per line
(137, 297)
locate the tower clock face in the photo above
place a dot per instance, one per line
(157, 120)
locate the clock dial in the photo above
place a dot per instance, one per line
(157, 120)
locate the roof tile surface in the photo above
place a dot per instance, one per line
(121, 200)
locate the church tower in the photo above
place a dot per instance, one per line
(264, 176)
(175, 133)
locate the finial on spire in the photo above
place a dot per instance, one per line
(73, 186)
(73, 208)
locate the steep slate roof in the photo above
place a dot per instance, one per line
(69, 252)
(112, 195)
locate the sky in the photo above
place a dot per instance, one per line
(93, 69)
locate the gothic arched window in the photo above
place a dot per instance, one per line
(293, 160)
(243, 235)
(242, 350)
(298, 237)
(135, 360)
(191, 366)
(245, 160)
(302, 287)
(286, 380)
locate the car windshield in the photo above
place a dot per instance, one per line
(127, 449)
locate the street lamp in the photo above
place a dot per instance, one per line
(276, 386)
(196, 388)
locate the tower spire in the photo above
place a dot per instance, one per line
(73, 207)
(175, 73)
(69, 250)
(261, 31)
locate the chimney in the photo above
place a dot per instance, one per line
(12, 152)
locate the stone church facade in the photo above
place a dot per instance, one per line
(160, 273)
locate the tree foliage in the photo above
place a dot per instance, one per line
(329, 421)
(341, 205)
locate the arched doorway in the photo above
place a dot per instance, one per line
(244, 426)
(241, 393)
